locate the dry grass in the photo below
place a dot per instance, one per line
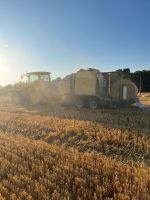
(35, 170)
(72, 154)
(122, 144)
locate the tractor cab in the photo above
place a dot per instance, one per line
(37, 76)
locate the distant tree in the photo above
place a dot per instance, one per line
(143, 72)
(126, 70)
(144, 79)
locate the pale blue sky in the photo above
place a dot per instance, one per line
(62, 36)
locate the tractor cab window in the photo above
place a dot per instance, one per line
(45, 78)
(33, 77)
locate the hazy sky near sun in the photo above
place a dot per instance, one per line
(62, 36)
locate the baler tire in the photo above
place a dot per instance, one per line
(79, 103)
(93, 103)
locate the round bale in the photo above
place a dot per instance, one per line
(117, 89)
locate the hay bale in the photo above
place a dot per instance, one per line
(117, 89)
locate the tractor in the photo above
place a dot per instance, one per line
(85, 88)
(38, 89)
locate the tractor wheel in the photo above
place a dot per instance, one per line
(93, 103)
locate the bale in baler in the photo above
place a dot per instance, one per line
(124, 89)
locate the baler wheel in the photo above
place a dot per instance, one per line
(93, 103)
(79, 103)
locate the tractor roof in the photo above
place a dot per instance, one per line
(39, 73)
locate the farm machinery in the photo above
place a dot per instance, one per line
(85, 88)
(38, 89)
(91, 88)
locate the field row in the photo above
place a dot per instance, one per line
(32, 169)
(125, 118)
(125, 145)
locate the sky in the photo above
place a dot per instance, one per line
(62, 36)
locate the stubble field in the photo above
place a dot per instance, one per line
(62, 153)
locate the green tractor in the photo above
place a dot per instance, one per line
(38, 89)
